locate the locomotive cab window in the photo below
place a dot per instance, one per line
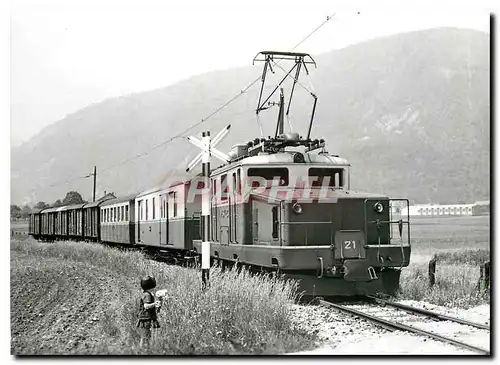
(326, 177)
(269, 174)
(223, 187)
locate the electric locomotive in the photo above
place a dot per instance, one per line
(284, 203)
(280, 203)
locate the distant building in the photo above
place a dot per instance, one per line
(477, 208)
(481, 207)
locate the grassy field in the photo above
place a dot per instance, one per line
(461, 244)
(74, 298)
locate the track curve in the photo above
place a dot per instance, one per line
(396, 326)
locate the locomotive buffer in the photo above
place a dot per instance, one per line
(207, 147)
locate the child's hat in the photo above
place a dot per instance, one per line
(148, 282)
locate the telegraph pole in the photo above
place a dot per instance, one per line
(95, 178)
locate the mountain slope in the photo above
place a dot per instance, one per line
(409, 111)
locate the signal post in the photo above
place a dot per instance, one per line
(207, 147)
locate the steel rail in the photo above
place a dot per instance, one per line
(425, 312)
(394, 326)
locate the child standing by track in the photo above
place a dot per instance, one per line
(148, 309)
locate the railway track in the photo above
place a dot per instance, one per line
(393, 325)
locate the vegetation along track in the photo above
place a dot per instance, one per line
(371, 303)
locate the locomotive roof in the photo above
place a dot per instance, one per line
(286, 157)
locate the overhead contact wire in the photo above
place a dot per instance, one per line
(203, 120)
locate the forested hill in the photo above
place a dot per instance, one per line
(409, 111)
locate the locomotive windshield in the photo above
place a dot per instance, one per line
(326, 177)
(269, 174)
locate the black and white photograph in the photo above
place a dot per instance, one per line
(267, 178)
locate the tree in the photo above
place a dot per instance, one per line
(25, 212)
(15, 211)
(57, 203)
(41, 205)
(73, 197)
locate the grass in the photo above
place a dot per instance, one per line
(461, 245)
(237, 314)
(456, 285)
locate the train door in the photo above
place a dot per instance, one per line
(225, 210)
(163, 220)
(255, 230)
(172, 224)
(232, 210)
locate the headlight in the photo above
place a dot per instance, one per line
(378, 207)
(297, 208)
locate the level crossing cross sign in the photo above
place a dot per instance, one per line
(208, 149)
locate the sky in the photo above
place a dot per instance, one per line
(65, 55)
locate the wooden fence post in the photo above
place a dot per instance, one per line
(484, 276)
(432, 271)
(487, 274)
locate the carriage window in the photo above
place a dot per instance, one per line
(326, 176)
(269, 174)
(146, 216)
(126, 212)
(162, 204)
(122, 213)
(114, 214)
(172, 198)
(175, 204)
(165, 210)
(154, 208)
(139, 208)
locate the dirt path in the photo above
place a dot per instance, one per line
(57, 305)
